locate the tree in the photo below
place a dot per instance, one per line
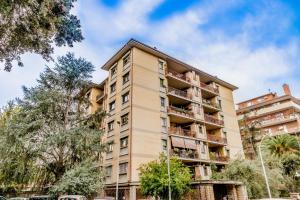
(250, 131)
(245, 171)
(154, 178)
(52, 131)
(282, 145)
(33, 26)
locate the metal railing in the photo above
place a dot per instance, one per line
(208, 87)
(218, 158)
(180, 111)
(211, 103)
(214, 120)
(178, 92)
(215, 138)
(181, 131)
(183, 153)
(177, 75)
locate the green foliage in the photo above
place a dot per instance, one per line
(33, 26)
(282, 145)
(49, 132)
(249, 172)
(84, 179)
(154, 178)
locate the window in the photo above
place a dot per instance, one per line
(196, 91)
(227, 152)
(123, 168)
(164, 145)
(108, 171)
(124, 142)
(200, 129)
(205, 169)
(113, 71)
(162, 102)
(125, 78)
(203, 147)
(125, 97)
(112, 106)
(163, 122)
(113, 87)
(161, 81)
(110, 147)
(126, 59)
(198, 107)
(111, 126)
(220, 103)
(124, 119)
(161, 65)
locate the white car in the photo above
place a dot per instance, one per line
(72, 197)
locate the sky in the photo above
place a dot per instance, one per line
(254, 45)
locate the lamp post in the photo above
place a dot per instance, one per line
(118, 155)
(169, 171)
(263, 166)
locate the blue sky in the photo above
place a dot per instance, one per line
(252, 44)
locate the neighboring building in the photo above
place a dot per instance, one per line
(151, 99)
(268, 114)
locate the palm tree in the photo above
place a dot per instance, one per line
(282, 145)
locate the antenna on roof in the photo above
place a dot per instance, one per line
(154, 48)
(269, 90)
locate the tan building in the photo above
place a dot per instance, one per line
(151, 99)
(268, 114)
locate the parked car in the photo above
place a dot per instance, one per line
(42, 197)
(18, 198)
(72, 197)
(104, 198)
(2, 198)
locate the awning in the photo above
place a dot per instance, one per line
(190, 144)
(177, 142)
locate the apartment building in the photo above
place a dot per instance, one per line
(268, 114)
(155, 102)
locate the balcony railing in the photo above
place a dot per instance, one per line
(99, 97)
(181, 131)
(211, 119)
(177, 75)
(215, 157)
(183, 153)
(215, 138)
(208, 87)
(180, 111)
(211, 103)
(277, 119)
(178, 92)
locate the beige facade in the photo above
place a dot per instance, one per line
(269, 114)
(154, 101)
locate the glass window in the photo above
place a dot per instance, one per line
(108, 171)
(125, 97)
(125, 78)
(161, 65)
(205, 169)
(126, 59)
(110, 146)
(123, 168)
(200, 129)
(111, 126)
(112, 106)
(164, 145)
(113, 87)
(124, 119)
(161, 81)
(202, 147)
(113, 71)
(163, 122)
(162, 102)
(124, 142)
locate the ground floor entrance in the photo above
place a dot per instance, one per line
(202, 190)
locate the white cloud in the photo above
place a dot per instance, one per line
(238, 58)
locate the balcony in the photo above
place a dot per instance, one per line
(218, 158)
(276, 120)
(210, 106)
(181, 131)
(180, 115)
(178, 79)
(213, 120)
(217, 139)
(100, 97)
(185, 154)
(208, 91)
